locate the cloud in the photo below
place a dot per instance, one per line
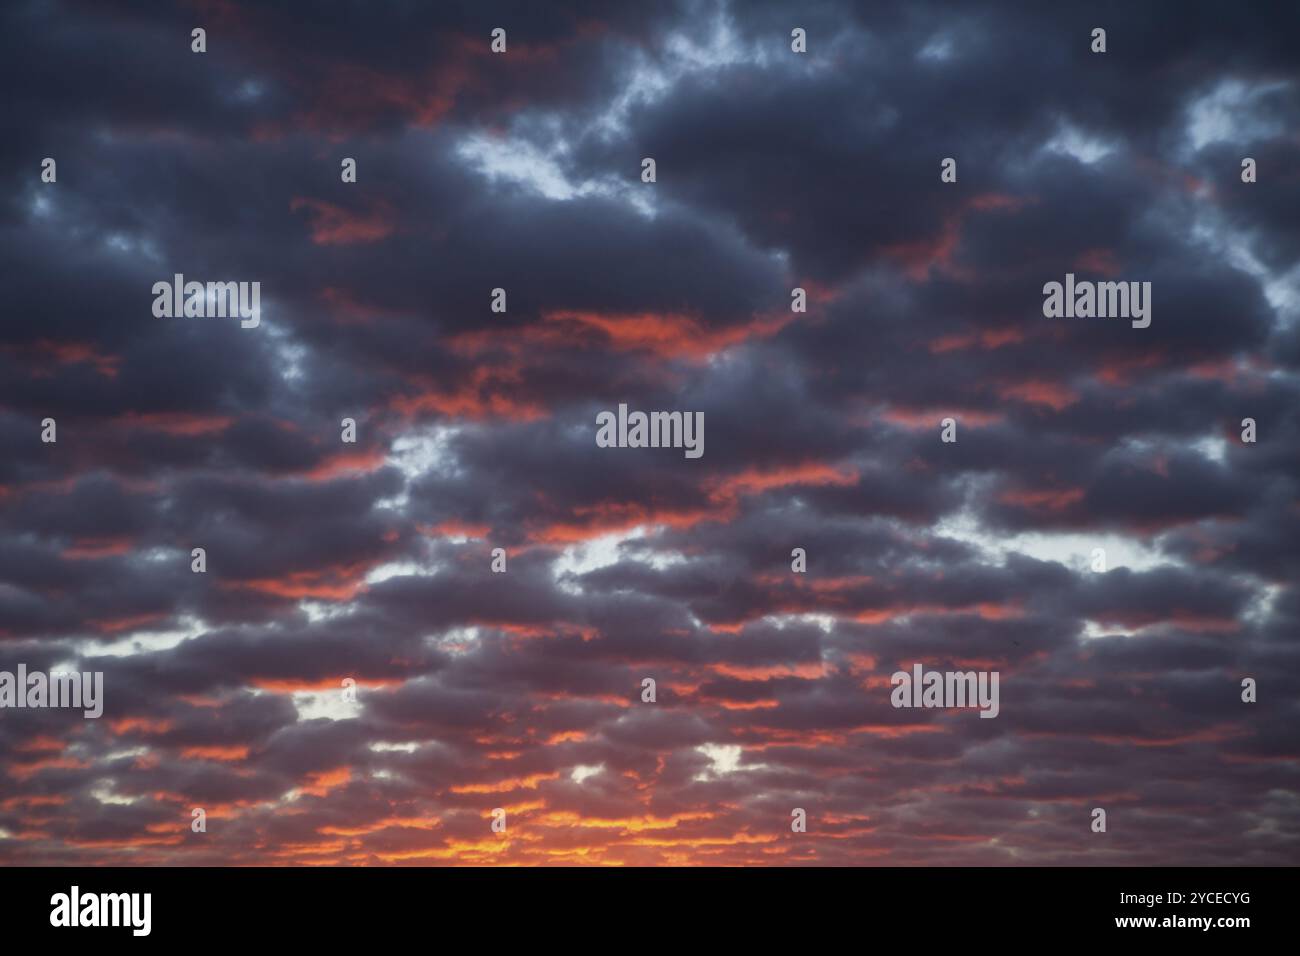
(372, 561)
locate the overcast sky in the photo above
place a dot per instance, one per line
(476, 430)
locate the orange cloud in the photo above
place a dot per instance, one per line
(113, 625)
(227, 754)
(596, 520)
(90, 548)
(986, 339)
(755, 481)
(1046, 499)
(1101, 261)
(321, 783)
(504, 786)
(484, 395)
(141, 725)
(344, 463)
(296, 686)
(668, 335)
(177, 424)
(333, 225)
(456, 529)
(930, 418)
(1040, 392)
(341, 583)
(68, 353)
(23, 771)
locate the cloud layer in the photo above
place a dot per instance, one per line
(476, 431)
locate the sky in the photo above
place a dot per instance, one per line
(522, 691)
